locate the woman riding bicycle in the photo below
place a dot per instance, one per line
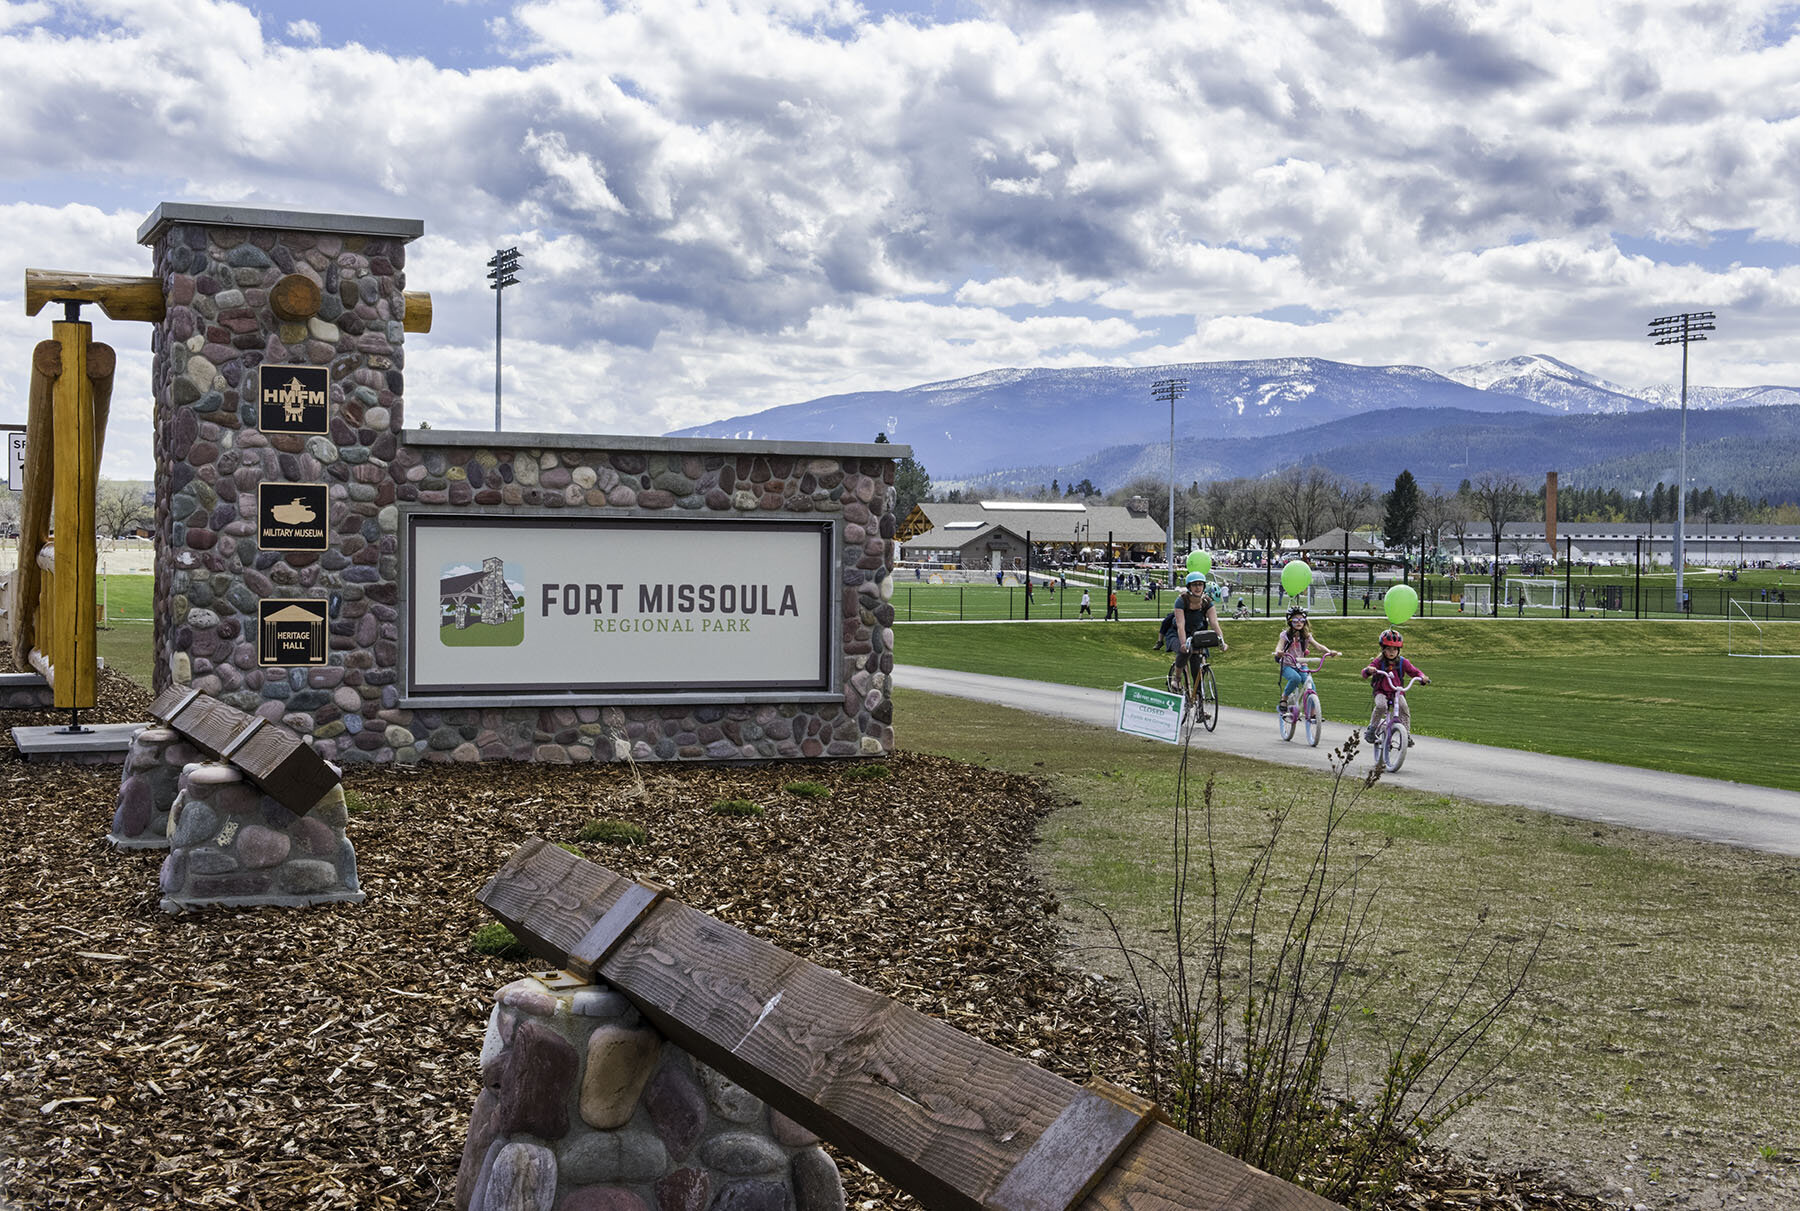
(1195, 612)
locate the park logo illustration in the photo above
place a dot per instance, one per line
(292, 399)
(291, 632)
(291, 517)
(484, 608)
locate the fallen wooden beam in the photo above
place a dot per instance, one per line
(953, 1121)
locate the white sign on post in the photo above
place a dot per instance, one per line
(1149, 711)
(561, 605)
(15, 460)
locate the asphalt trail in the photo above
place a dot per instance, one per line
(1705, 809)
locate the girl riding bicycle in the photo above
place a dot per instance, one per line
(1296, 643)
(1195, 612)
(1387, 675)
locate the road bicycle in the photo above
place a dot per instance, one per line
(1206, 693)
(1391, 738)
(1302, 707)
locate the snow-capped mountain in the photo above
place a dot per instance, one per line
(1029, 416)
(970, 428)
(1550, 382)
(1668, 395)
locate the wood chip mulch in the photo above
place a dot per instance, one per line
(327, 1057)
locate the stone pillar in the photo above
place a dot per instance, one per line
(338, 281)
(147, 791)
(584, 1107)
(230, 844)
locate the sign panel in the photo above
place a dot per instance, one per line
(291, 517)
(1150, 711)
(292, 631)
(292, 399)
(15, 459)
(563, 605)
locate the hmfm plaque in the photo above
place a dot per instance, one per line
(292, 399)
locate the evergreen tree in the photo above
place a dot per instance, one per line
(1400, 521)
(911, 483)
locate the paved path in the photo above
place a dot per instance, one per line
(1731, 813)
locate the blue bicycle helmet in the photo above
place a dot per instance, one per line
(1195, 578)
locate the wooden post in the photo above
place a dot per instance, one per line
(72, 654)
(34, 503)
(955, 1122)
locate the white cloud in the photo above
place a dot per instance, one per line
(730, 204)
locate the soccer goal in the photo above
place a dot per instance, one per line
(1768, 640)
(1545, 594)
(1477, 597)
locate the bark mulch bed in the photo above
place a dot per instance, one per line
(327, 1057)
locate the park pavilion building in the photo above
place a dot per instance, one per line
(990, 535)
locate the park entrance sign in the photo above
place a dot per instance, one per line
(398, 595)
(616, 606)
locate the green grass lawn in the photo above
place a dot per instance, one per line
(1661, 695)
(1658, 999)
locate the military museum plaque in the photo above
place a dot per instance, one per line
(291, 517)
(291, 631)
(291, 399)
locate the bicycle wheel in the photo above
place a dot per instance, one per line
(1209, 698)
(1285, 715)
(1315, 722)
(1394, 753)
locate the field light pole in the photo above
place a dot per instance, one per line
(503, 268)
(1683, 330)
(1170, 389)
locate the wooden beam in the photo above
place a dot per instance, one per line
(282, 766)
(417, 311)
(121, 298)
(942, 1115)
(72, 649)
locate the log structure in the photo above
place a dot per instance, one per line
(277, 761)
(953, 1121)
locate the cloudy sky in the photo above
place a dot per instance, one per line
(726, 205)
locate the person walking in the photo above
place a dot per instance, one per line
(1112, 605)
(1087, 609)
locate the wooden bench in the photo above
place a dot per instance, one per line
(953, 1121)
(277, 761)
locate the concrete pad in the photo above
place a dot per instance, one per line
(101, 744)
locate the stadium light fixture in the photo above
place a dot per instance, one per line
(1170, 389)
(1683, 330)
(503, 270)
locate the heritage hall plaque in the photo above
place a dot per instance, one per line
(291, 631)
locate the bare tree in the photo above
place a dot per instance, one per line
(119, 508)
(1350, 504)
(1303, 493)
(1441, 512)
(1497, 499)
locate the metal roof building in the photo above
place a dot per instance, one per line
(991, 533)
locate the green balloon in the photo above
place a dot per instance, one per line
(1401, 602)
(1295, 577)
(1200, 561)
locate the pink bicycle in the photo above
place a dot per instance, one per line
(1302, 707)
(1391, 738)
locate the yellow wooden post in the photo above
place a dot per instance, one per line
(72, 654)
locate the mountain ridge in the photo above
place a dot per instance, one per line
(1102, 423)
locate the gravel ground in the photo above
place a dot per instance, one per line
(327, 1057)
